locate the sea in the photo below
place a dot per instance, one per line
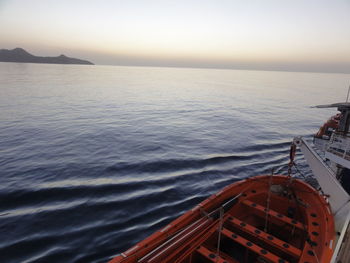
(93, 159)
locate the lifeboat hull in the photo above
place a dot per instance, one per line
(261, 219)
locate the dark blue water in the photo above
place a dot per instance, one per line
(96, 158)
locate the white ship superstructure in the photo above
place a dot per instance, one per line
(332, 172)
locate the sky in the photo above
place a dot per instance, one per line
(295, 35)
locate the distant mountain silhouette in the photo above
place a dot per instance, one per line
(20, 55)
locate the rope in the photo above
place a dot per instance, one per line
(297, 169)
(308, 239)
(204, 214)
(219, 236)
(292, 190)
(268, 202)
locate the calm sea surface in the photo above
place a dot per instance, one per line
(96, 158)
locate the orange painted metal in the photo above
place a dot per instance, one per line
(266, 237)
(253, 247)
(333, 123)
(211, 256)
(275, 216)
(297, 226)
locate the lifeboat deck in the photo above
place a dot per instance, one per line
(266, 219)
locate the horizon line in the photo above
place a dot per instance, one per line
(192, 67)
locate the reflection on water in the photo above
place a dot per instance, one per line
(96, 158)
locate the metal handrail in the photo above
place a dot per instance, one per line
(340, 145)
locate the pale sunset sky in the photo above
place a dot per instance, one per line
(296, 35)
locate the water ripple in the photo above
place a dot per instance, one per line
(94, 159)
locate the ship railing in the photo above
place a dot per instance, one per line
(340, 145)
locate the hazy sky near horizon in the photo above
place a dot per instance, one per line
(311, 35)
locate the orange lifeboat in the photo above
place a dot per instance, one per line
(332, 123)
(262, 219)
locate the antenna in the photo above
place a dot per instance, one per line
(347, 97)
